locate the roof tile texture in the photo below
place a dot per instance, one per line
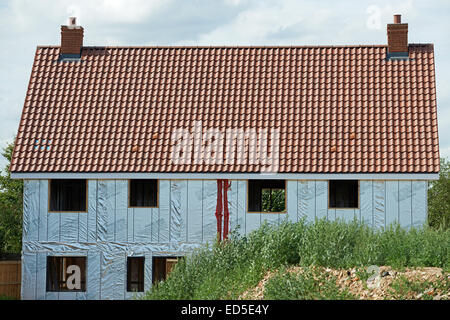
(338, 109)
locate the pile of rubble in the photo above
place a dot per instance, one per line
(378, 286)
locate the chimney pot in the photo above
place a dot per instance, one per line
(72, 21)
(397, 18)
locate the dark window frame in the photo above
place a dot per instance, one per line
(141, 274)
(56, 274)
(130, 205)
(163, 272)
(52, 192)
(262, 187)
(343, 207)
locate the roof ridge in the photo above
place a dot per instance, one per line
(241, 46)
(224, 46)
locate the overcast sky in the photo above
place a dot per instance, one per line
(24, 24)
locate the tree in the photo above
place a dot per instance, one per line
(273, 200)
(439, 198)
(11, 197)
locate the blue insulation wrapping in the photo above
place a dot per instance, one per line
(110, 231)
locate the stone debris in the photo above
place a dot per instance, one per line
(257, 293)
(377, 287)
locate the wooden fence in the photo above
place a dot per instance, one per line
(10, 277)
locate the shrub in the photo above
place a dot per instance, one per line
(226, 270)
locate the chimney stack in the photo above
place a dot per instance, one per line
(397, 34)
(71, 39)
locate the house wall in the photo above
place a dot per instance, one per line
(110, 231)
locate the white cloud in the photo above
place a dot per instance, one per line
(258, 22)
(27, 13)
(233, 2)
(307, 22)
(123, 11)
(445, 152)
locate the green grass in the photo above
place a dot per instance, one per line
(403, 288)
(311, 284)
(226, 270)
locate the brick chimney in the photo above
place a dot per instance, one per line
(71, 39)
(397, 35)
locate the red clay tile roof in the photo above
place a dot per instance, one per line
(339, 109)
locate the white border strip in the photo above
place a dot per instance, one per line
(230, 176)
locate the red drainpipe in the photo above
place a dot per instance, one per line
(219, 209)
(222, 187)
(226, 186)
